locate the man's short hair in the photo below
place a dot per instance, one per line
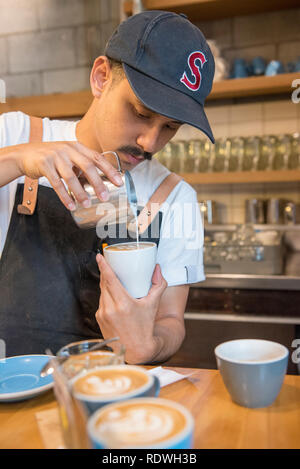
(117, 70)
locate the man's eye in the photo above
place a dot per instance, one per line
(171, 128)
(142, 116)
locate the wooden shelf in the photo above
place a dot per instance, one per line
(253, 86)
(203, 10)
(75, 104)
(57, 105)
(242, 177)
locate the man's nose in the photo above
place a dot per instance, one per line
(148, 139)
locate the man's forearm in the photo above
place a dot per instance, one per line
(9, 169)
(168, 334)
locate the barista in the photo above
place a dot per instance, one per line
(155, 75)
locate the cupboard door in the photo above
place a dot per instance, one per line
(209, 299)
(279, 303)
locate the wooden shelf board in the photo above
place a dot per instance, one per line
(253, 86)
(74, 104)
(242, 177)
(57, 105)
(203, 10)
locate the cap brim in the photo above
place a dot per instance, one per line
(167, 101)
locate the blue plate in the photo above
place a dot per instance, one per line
(20, 377)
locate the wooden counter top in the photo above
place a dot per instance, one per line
(219, 423)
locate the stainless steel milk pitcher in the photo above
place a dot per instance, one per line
(120, 208)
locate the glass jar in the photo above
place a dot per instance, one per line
(251, 154)
(206, 156)
(266, 153)
(194, 150)
(236, 154)
(221, 155)
(282, 152)
(294, 156)
(178, 153)
(165, 155)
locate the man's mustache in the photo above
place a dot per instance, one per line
(136, 152)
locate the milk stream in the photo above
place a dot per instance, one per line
(134, 210)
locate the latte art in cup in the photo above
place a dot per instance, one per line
(129, 246)
(110, 382)
(142, 423)
(105, 385)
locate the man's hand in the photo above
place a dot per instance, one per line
(57, 161)
(133, 320)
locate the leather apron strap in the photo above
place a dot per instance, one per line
(152, 207)
(31, 185)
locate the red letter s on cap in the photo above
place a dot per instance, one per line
(195, 70)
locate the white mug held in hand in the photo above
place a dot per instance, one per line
(133, 264)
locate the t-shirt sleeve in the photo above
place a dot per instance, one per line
(180, 250)
(14, 128)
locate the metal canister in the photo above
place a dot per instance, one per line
(289, 213)
(208, 209)
(255, 211)
(275, 211)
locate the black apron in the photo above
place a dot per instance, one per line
(49, 278)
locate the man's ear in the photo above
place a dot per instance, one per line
(100, 75)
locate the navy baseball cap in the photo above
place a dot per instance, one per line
(168, 64)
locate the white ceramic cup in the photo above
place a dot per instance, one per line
(134, 268)
(253, 370)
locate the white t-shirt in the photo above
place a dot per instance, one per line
(180, 250)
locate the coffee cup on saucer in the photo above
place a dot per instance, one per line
(252, 370)
(142, 423)
(113, 383)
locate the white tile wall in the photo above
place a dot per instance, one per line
(57, 14)
(247, 32)
(3, 57)
(280, 126)
(66, 81)
(26, 84)
(245, 128)
(280, 109)
(245, 112)
(287, 23)
(17, 16)
(38, 36)
(289, 51)
(48, 50)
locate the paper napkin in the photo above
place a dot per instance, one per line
(166, 376)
